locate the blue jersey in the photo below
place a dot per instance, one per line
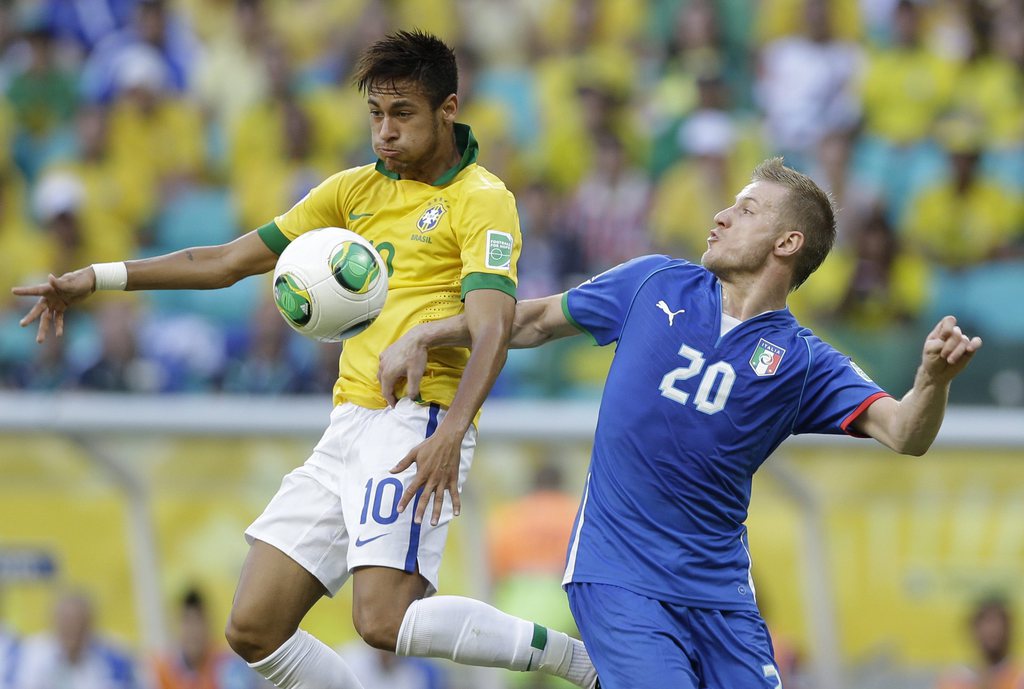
(687, 417)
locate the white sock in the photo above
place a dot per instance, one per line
(474, 633)
(304, 662)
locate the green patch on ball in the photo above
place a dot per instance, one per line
(355, 267)
(292, 299)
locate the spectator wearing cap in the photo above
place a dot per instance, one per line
(154, 134)
(82, 227)
(720, 148)
(153, 26)
(57, 203)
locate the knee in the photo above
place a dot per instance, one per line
(378, 625)
(251, 641)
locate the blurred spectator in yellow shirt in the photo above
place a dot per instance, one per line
(230, 76)
(274, 157)
(154, 135)
(118, 202)
(966, 217)
(26, 252)
(905, 86)
(306, 26)
(991, 627)
(583, 83)
(871, 284)
(781, 18)
(990, 85)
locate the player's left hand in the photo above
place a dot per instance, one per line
(947, 350)
(437, 470)
(405, 359)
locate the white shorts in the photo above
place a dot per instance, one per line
(339, 510)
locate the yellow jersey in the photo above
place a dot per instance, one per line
(439, 241)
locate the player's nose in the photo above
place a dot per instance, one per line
(722, 218)
(388, 132)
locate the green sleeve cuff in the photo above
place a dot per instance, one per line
(488, 281)
(572, 321)
(273, 237)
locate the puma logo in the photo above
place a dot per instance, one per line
(669, 312)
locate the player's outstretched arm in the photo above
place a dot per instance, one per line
(910, 425)
(488, 316)
(205, 267)
(536, 321)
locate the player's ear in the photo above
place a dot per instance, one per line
(789, 243)
(449, 108)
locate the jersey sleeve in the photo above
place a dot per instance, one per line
(323, 206)
(488, 233)
(835, 393)
(599, 306)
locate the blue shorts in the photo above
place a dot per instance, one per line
(639, 643)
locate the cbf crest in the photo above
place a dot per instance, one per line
(430, 217)
(766, 358)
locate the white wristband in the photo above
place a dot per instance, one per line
(111, 275)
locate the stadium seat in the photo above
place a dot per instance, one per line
(196, 217)
(199, 217)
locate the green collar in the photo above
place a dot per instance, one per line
(464, 141)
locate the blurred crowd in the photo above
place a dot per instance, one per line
(73, 654)
(135, 127)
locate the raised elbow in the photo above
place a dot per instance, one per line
(913, 449)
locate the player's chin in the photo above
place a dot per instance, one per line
(394, 165)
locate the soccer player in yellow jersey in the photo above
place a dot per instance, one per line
(449, 233)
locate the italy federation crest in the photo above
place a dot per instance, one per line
(430, 218)
(766, 358)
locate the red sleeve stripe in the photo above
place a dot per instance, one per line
(860, 410)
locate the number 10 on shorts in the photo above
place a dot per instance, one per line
(384, 509)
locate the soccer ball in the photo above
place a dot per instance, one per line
(330, 284)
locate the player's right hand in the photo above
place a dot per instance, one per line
(405, 359)
(55, 296)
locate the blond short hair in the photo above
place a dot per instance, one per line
(808, 209)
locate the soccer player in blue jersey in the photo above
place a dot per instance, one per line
(711, 373)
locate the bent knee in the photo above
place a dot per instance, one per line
(251, 641)
(378, 625)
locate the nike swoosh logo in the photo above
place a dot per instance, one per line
(356, 216)
(360, 542)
